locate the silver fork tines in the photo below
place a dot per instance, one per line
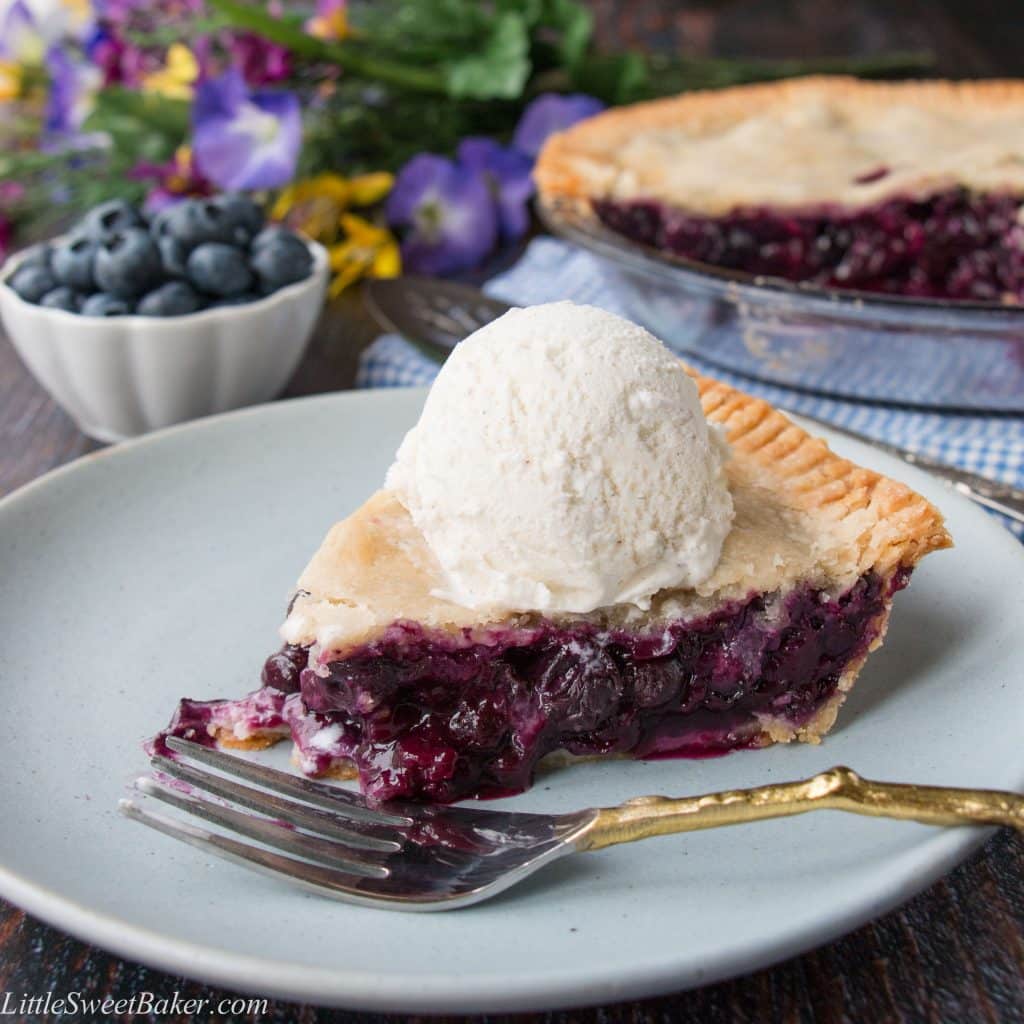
(431, 858)
(332, 797)
(348, 830)
(266, 830)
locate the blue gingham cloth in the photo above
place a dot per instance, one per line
(552, 270)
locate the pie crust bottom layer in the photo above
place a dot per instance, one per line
(428, 715)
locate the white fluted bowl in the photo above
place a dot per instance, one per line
(118, 377)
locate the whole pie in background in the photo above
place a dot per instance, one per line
(909, 189)
(583, 548)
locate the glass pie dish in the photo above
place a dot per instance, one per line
(929, 353)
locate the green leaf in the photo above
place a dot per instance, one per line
(531, 11)
(614, 78)
(119, 109)
(499, 70)
(574, 25)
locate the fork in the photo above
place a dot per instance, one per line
(436, 857)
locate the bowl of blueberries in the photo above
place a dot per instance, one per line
(135, 322)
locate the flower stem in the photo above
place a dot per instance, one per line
(290, 33)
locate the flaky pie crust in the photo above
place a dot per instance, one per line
(804, 515)
(802, 142)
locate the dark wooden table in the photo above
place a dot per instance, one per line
(956, 952)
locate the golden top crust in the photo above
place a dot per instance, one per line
(802, 142)
(803, 515)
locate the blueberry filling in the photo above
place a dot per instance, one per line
(429, 716)
(952, 245)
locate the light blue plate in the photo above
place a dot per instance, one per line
(161, 568)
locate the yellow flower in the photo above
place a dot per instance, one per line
(10, 81)
(319, 207)
(316, 205)
(180, 177)
(368, 250)
(330, 22)
(175, 80)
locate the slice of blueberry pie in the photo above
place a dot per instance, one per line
(910, 189)
(582, 548)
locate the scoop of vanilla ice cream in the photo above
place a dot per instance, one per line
(562, 462)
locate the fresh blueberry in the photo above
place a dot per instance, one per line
(73, 262)
(103, 304)
(108, 219)
(271, 233)
(280, 261)
(62, 298)
(244, 217)
(219, 269)
(196, 221)
(31, 283)
(128, 264)
(173, 255)
(36, 256)
(159, 223)
(236, 300)
(176, 298)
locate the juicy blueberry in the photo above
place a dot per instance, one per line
(36, 256)
(108, 219)
(176, 298)
(271, 233)
(194, 255)
(62, 298)
(73, 261)
(243, 216)
(219, 269)
(173, 255)
(952, 245)
(159, 222)
(31, 283)
(280, 260)
(128, 263)
(102, 304)
(281, 670)
(196, 221)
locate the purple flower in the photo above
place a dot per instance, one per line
(72, 86)
(118, 11)
(508, 175)
(20, 39)
(450, 218)
(549, 113)
(122, 62)
(244, 140)
(172, 182)
(261, 61)
(147, 14)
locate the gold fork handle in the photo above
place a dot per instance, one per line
(838, 789)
